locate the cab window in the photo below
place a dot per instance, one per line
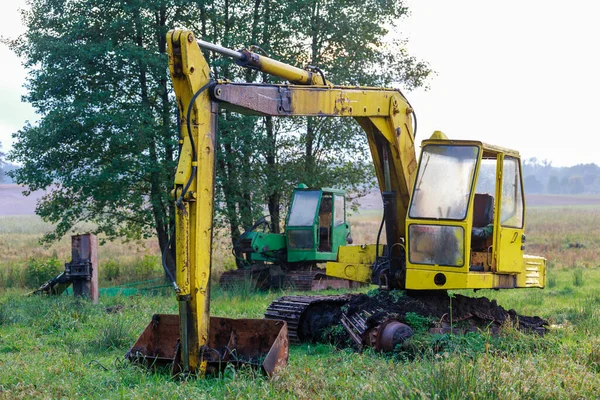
(338, 210)
(444, 182)
(304, 208)
(511, 214)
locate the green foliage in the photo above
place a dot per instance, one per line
(594, 356)
(110, 270)
(244, 290)
(116, 333)
(418, 323)
(396, 294)
(11, 276)
(40, 271)
(47, 341)
(105, 146)
(146, 267)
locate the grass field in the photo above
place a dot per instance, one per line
(62, 347)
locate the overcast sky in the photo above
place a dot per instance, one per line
(521, 74)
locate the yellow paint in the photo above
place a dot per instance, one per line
(534, 272)
(364, 254)
(438, 135)
(417, 279)
(510, 268)
(190, 72)
(290, 73)
(354, 272)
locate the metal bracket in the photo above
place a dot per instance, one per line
(79, 270)
(285, 100)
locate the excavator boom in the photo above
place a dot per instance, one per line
(201, 343)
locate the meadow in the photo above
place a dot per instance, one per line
(65, 347)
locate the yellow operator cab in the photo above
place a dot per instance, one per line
(466, 220)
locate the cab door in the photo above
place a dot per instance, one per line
(340, 229)
(510, 202)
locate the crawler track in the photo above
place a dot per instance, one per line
(293, 310)
(309, 317)
(300, 280)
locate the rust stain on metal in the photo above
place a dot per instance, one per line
(342, 105)
(258, 343)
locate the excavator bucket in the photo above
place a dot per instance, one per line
(258, 343)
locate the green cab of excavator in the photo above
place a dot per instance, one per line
(466, 220)
(316, 224)
(315, 227)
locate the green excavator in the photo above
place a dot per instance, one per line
(315, 227)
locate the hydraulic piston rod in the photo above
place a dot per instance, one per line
(220, 49)
(248, 59)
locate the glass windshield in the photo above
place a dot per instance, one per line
(444, 182)
(304, 208)
(436, 244)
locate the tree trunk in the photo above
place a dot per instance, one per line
(274, 197)
(309, 160)
(310, 122)
(161, 30)
(156, 190)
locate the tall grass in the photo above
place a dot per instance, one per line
(578, 277)
(65, 348)
(46, 342)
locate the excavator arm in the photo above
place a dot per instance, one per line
(193, 196)
(384, 115)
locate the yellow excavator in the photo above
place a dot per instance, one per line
(454, 220)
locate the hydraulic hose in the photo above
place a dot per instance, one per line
(164, 262)
(192, 143)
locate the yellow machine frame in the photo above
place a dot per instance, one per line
(385, 116)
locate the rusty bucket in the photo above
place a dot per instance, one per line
(259, 343)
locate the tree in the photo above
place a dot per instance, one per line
(346, 41)
(105, 145)
(576, 185)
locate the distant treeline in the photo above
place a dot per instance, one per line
(541, 177)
